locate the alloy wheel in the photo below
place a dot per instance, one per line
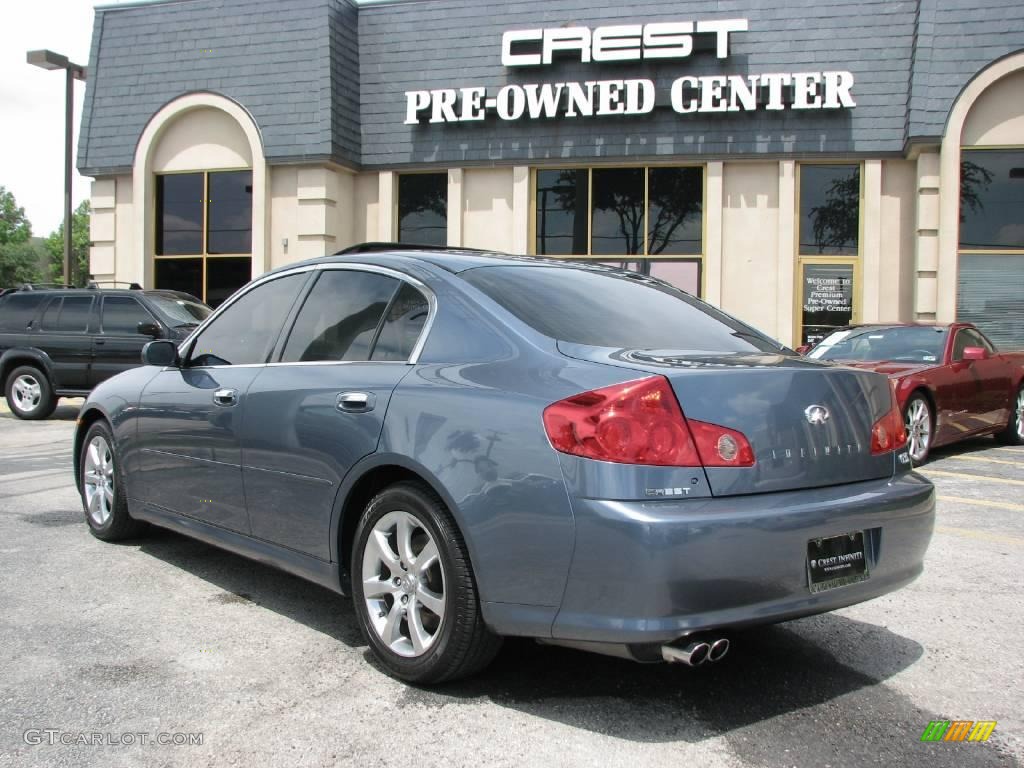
(27, 392)
(98, 479)
(919, 429)
(404, 584)
(1020, 414)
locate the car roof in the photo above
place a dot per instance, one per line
(451, 259)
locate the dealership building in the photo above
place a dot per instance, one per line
(802, 164)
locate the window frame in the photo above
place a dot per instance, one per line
(185, 348)
(204, 255)
(89, 321)
(590, 256)
(801, 259)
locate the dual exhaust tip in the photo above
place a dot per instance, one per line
(697, 652)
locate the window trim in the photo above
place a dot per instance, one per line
(204, 255)
(185, 348)
(589, 255)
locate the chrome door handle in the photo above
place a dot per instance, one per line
(356, 402)
(225, 397)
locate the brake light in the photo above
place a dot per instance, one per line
(640, 422)
(889, 433)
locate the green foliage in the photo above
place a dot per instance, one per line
(14, 227)
(79, 247)
(22, 262)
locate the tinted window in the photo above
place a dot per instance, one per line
(67, 315)
(423, 208)
(229, 213)
(991, 199)
(247, 330)
(675, 211)
(18, 309)
(178, 311)
(617, 221)
(918, 344)
(339, 319)
(968, 338)
(604, 309)
(402, 326)
(224, 277)
(829, 209)
(179, 214)
(122, 315)
(185, 275)
(562, 212)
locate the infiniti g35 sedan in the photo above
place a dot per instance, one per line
(475, 446)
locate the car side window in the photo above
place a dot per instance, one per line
(69, 314)
(402, 326)
(340, 317)
(122, 314)
(965, 337)
(18, 309)
(246, 331)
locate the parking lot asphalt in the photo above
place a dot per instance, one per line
(107, 646)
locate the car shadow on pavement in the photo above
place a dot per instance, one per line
(821, 681)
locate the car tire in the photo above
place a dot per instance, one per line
(1014, 432)
(417, 601)
(920, 424)
(29, 393)
(101, 486)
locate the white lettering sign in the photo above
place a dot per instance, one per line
(688, 94)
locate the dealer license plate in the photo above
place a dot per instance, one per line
(836, 561)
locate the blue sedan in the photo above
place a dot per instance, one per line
(475, 446)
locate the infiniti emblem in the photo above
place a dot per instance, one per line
(816, 414)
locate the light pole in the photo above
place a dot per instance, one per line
(49, 60)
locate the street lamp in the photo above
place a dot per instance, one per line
(49, 60)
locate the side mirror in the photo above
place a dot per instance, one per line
(161, 353)
(975, 353)
(803, 349)
(149, 329)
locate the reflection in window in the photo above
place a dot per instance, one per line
(229, 213)
(245, 332)
(402, 326)
(423, 208)
(199, 215)
(829, 209)
(632, 211)
(674, 211)
(179, 214)
(561, 212)
(339, 319)
(992, 199)
(617, 211)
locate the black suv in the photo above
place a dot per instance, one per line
(62, 342)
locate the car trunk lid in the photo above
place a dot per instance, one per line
(776, 401)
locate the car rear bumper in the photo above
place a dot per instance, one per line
(652, 572)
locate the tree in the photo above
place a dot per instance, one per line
(14, 227)
(20, 263)
(79, 246)
(836, 222)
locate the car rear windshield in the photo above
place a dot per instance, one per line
(611, 308)
(916, 344)
(179, 311)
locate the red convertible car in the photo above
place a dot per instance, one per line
(950, 381)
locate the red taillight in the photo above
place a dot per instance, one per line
(640, 422)
(889, 433)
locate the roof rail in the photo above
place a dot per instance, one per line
(378, 247)
(95, 284)
(42, 286)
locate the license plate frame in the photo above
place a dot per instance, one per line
(836, 561)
